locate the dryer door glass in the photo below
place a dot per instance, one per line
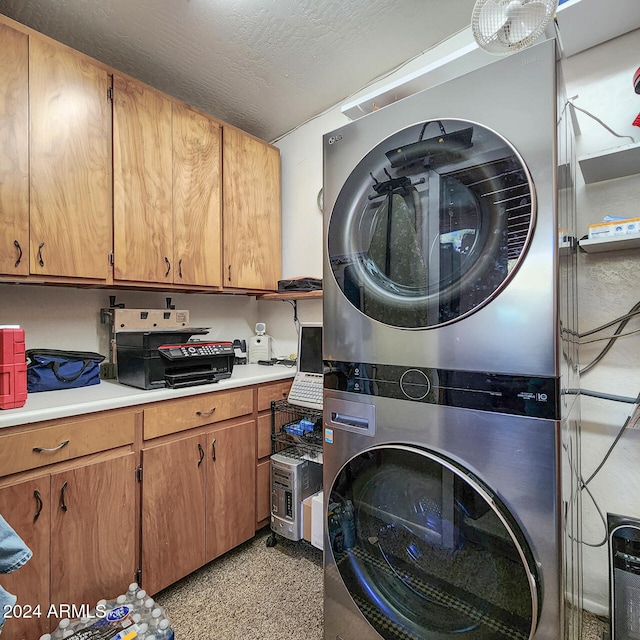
(425, 552)
(431, 224)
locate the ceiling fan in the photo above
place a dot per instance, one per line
(505, 26)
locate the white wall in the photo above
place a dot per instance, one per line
(69, 318)
(608, 283)
(608, 288)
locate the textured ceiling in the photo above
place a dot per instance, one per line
(265, 66)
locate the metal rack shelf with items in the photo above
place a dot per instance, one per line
(296, 468)
(296, 428)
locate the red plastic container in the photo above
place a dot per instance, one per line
(13, 368)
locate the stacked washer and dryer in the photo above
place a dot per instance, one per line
(451, 422)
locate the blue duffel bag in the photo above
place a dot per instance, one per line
(53, 369)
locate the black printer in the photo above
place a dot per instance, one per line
(157, 359)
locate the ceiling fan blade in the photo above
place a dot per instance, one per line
(523, 21)
(492, 17)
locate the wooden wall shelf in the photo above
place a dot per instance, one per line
(292, 295)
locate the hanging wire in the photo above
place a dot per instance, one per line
(627, 316)
(618, 335)
(598, 120)
(623, 320)
(632, 419)
(630, 423)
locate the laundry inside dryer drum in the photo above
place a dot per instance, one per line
(427, 230)
(432, 556)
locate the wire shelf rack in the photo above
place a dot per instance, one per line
(296, 429)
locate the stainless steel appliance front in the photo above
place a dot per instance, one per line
(438, 206)
(457, 519)
(452, 449)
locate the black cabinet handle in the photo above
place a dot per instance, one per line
(40, 259)
(205, 414)
(16, 244)
(166, 261)
(180, 268)
(213, 449)
(201, 450)
(38, 497)
(229, 273)
(49, 450)
(63, 504)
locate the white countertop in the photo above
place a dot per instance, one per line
(48, 405)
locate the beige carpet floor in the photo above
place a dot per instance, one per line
(257, 592)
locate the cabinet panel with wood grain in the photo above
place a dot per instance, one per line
(70, 163)
(252, 245)
(14, 152)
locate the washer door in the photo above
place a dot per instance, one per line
(428, 229)
(425, 551)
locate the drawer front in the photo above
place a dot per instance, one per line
(269, 392)
(63, 441)
(172, 416)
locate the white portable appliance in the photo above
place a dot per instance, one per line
(260, 344)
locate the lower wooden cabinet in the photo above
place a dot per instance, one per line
(173, 511)
(80, 524)
(231, 477)
(197, 501)
(150, 494)
(26, 507)
(93, 526)
(263, 470)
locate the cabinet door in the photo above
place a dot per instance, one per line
(251, 226)
(263, 492)
(70, 160)
(142, 216)
(173, 505)
(231, 474)
(25, 506)
(196, 198)
(263, 468)
(14, 152)
(93, 531)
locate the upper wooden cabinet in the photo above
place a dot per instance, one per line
(55, 160)
(142, 176)
(252, 244)
(105, 180)
(14, 157)
(197, 198)
(70, 163)
(166, 189)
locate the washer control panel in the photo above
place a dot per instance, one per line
(534, 396)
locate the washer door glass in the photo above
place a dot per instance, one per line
(425, 552)
(428, 229)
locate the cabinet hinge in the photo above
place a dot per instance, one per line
(139, 473)
(110, 94)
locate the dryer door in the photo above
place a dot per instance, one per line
(425, 550)
(431, 224)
